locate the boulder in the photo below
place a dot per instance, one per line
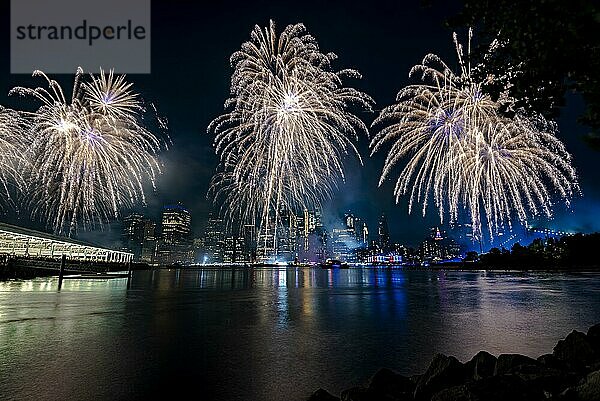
(507, 387)
(494, 388)
(456, 393)
(356, 394)
(443, 372)
(415, 379)
(593, 336)
(589, 388)
(550, 361)
(480, 366)
(594, 332)
(548, 380)
(575, 351)
(387, 384)
(513, 363)
(322, 395)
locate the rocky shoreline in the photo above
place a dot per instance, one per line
(570, 373)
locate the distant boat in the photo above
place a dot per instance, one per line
(334, 264)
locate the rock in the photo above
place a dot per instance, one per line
(550, 361)
(457, 393)
(508, 387)
(594, 332)
(322, 395)
(387, 384)
(568, 395)
(548, 380)
(512, 363)
(593, 336)
(494, 388)
(589, 388)
(575, 351)
(356, 394)
(480, 366)
(443, 372)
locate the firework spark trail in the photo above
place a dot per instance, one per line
(14, 141)
(90, 156)
(464, 153)
(288, 129)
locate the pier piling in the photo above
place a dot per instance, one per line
(128, 274)
(63, 262)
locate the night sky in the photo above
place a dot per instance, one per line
(191, 45)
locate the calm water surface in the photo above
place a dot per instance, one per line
(270, 334)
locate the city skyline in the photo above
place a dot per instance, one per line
(303, 238)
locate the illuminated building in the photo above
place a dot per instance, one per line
(249, 236)
(311, 242)
(19, 241)
(139, 237)
(343, 243)
(214, 240)
(149, 242)
(438, 247)
(175, 243)
(383, 234)
(234, 247)
(286, 236)
(133, 234)
(361, 231)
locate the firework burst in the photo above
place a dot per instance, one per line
(14, 141)
(288, 127)
(464, 153)
(90, 156)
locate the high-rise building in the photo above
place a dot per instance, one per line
(234, 249)
(383, 233)
(361, 231)
(139, 237)
(286, 236)
(266, 240)
(175, 244)
(149, 242)
(343, 244)
(278, 238)
(133, 235)
(214, 240)
(311, 240)
(438, 246)
(349, 220)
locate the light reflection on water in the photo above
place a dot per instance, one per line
(270, 334)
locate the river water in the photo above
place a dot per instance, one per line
(270, 334)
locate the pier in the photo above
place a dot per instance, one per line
(26, 253)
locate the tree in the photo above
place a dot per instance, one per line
(554, 43)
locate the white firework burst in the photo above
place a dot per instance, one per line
(14, 142)
(90, 156)
(288, 129)
(463, 152)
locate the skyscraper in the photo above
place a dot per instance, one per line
(361, 231)
(133, 234)
(175, 244)
(383, 233)
(149, 242)
(214, 240)
(139, 237)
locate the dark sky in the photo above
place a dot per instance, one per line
(191, 45)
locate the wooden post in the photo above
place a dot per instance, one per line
(128, 274)
(63, 261)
